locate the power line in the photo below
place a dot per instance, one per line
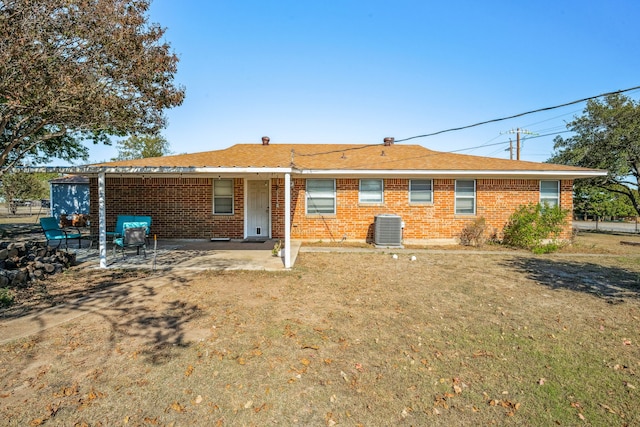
(519, 115)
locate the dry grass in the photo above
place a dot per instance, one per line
(350, 339)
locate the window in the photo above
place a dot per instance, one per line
(223, 196)
(420, 191)
(371, 191)
(321, 196)
(550, 193)
(465, 197)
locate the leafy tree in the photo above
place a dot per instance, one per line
(607, 136)
(589, 200)
(75, 71)
(141, 147)
(24, 186)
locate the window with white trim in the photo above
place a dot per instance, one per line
(371, 191)
(223, 196)
(465, 197)
(550, 193)
(321, 196)
(421, 191)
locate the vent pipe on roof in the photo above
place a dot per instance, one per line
(265, 140)
(388, 141)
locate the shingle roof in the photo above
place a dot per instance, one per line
(346, 157)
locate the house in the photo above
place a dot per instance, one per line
(327, 192)
(69, 195)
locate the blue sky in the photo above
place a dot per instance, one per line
(358, 71)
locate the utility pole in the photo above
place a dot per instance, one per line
(518, 132)
(510, 149)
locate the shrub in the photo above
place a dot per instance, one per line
(473, 233)
(532, 226)
(6, 297)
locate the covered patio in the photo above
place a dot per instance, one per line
(196, 255)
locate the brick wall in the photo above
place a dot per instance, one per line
(179, 207)
(182, 207)
(496, 200)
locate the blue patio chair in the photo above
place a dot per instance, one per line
(134, 235)
(118, 232)
(53, 232)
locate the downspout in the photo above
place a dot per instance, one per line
(102, 226)
(287, 220)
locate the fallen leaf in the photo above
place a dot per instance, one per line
(581, 416)
(67, 391)
(607, 407)
(328, 361)
(305, 361)
(188, 371)
(329, 419)
(241, 361)
(248, 404)
(177, 407)
(457, 389)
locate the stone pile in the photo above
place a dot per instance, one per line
(29, 261)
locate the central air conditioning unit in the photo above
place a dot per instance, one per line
(388, 230)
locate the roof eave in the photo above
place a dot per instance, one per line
(137, 170)
(453, 173)
(445, 173)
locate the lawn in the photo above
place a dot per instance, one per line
(352, 339)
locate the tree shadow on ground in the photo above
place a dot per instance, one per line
(611, 283)
(135, 312)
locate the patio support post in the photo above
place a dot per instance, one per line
(102, 226)
(287, 220)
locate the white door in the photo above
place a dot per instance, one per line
(258, 209)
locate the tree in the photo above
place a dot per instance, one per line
(141, 147)
(589, 200)
(21, 186)
(77, 71)
(607, 136)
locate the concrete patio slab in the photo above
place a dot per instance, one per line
(194, 255)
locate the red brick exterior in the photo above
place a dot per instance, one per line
(496, 200)
(182, 207)
(179, 207)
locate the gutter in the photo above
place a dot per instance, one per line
(448, 173)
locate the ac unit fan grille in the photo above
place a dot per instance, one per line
(388, 230)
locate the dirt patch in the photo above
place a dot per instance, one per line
(344, 338)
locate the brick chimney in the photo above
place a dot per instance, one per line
(388, 141)
(265, 140)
